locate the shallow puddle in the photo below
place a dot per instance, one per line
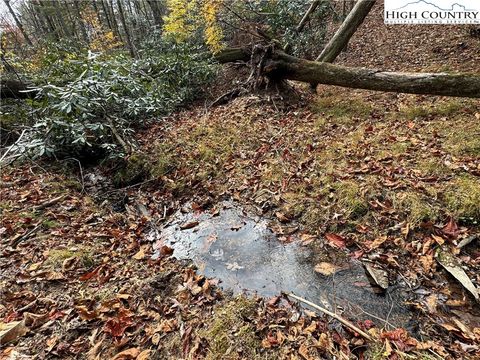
(241, 251)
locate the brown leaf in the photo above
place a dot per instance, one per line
(12, 331)
(377, 242)
(167, 326)
(127, 354)
(303, 351)
(281, 217)
(451, 229)
(140, 254)
(165, 251)
(431, 302)
(325, 268)
(116, 326)
(189, 225)
(438, 239)
(335, 240)
(91, 274)
(86, 314)
(451, 264)
(144, 355)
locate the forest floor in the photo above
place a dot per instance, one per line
(388, 179)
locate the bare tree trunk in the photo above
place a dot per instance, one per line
(278, 65)
(60, 15)
(113, 19)
(37, 14)
(305, 17)
(17, 22)
(125, 28)
(83, 30)
(35, 22)
(341, 38)
(48, 19)
(105, 13)
(157, 14)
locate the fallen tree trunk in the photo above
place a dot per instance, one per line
(279, 65)
(16, 89)
(341, 38)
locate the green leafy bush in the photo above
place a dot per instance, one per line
(96, 112)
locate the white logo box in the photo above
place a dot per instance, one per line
(432, 12)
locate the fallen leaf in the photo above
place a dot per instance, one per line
(116, 326)
(91, 274)
(127, 354)
(12, 331)
(377, 242)
(140, 254)
(438, 239)
(450, 263)
(282, 217)
(335, 240)
(431, 302)
(165, 251)
(325, 268)
(451, 229)
(303, 351)
(379, 276)
(144, 355)
(189, 225)
(167, 326)
(86, 314)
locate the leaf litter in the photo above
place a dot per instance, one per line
(396, 188)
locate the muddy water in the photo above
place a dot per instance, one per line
(240, 250)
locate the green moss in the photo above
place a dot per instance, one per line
(462, 197)
(49, 224)
(230, 334)
(399, 148)
(432, 167)
(464, 142)
(351, 199)
(340, 107)
(376, 352)
(56, 257)
(416, 207)
(134, 169)
(445, 108)
(163, 161)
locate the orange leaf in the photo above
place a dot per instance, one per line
(335, 240)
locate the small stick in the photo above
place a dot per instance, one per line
(11, 146)
(49, 203)
(333, 315)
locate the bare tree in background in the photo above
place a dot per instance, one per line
(17, 22)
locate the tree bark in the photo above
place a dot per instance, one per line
(305, 17)
(81, 25)
(113, 19)
(17, 22)
(49, 21)
(341, 38)
(125, 28)
(157, 14)
(279, 65)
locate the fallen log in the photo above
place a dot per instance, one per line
(279, 65)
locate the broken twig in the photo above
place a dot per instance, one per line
(333, 315)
